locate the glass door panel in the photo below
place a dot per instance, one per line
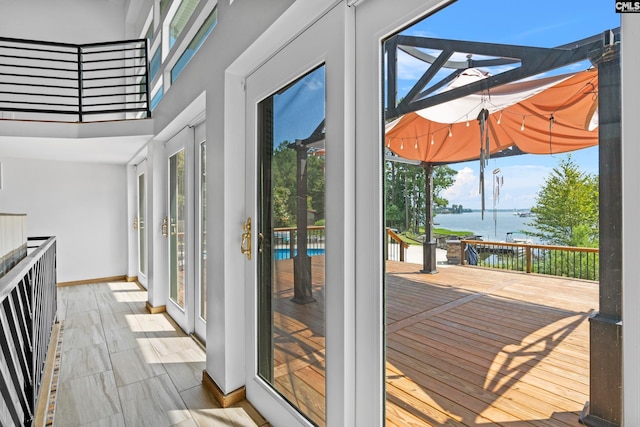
(203, 231)
(177, 211)
(142, 249)
(291, 255)
(199, 291)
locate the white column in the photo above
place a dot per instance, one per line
(225, 264)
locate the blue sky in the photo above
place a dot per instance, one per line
(543, 23)
(535, 23)
(299, 110)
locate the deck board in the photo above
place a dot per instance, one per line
(467, 346)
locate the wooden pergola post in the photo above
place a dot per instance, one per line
(605, 327)
(429, 245)
(302, 293)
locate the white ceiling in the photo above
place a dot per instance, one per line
(106, 142)
(118, 150)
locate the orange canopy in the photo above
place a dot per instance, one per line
(557, 119)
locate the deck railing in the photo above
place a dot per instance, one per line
(27, 314)
(88, 82)
(396, 247)
(566, 261)
(286, 241)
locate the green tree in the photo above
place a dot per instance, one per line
(566, 210)
(284, 185)
(284, 165)
(405, 193)
(443, 178)
(281, 214)
(316, 185)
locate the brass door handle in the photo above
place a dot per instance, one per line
(165, 227)
(260, 242)
(245, 245)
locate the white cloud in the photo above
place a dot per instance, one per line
(465, 189)
(410, 68)
(314, 84)
(519, 190)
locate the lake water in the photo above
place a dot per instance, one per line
(491, 228)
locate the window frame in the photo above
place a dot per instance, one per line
(205, 36)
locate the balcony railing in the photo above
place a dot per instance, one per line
(90, 82)
(27, 314)
(566, 261)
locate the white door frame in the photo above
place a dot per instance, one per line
(200, 324)
(141, 169)
(320, 43)
(375, 21)
(184, 316)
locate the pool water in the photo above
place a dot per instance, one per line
(284, 253)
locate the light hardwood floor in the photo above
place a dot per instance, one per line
(121, 366)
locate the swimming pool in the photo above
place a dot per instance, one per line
(284, 253)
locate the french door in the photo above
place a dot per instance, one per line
(179, 159)
(200, 229)
(185, 229)
(141, 221)
(295, 198)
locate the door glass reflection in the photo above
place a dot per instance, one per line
(291, 259)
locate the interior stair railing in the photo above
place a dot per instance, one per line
(28, 307)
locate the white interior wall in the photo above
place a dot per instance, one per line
(630, 64)
(238, 26)
(136, 12)
(82, 204)
(63, 21)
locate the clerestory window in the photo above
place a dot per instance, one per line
(195, 44)
(180, 19)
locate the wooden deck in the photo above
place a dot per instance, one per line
(466, 346)
(471, 346)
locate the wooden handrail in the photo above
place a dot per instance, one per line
(403, 245)
(397, 238)
(525, 251)
(531, 245)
